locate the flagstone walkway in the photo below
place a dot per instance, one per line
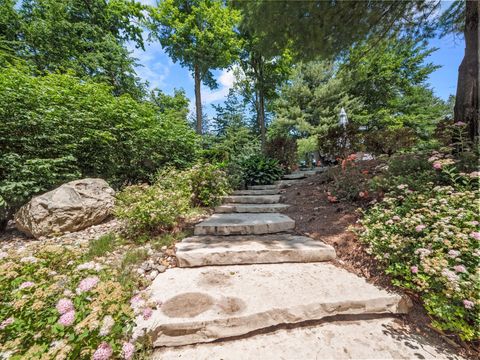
(248, 288)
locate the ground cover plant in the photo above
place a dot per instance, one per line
(53, 305)
(426, 232)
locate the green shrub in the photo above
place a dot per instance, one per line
(427, 237)
(284, 150)
(54, 128)
(209, 184)
(260, 170)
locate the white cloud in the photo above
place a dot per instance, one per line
(226, 81)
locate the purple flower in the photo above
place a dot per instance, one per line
(67, 319)
(475, 235)
(6, 322)
(468, 304)
(474, 223)
(147, 313)
(26, 285)
(103, 352)
(420, 227)
(460, 269)
(128, 349)
(64, 305)
(87, 284)
(414, 269)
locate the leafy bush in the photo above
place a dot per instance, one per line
(57, 127)
(284, 150)
(427, 237)
(209, 184)
(260, 170)
(52, 306)
(389, 141)
(158, 207)
(152, 208)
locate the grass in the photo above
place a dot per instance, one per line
(168, 239)
(101, 246)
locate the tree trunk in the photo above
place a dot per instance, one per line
(261, 116)
(467, 97)
(198, 100)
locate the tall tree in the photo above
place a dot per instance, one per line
(86, 37)
(462, 18)
(260, 78)
(329, 28)
(200, 35)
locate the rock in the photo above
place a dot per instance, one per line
(294, 176)
(251, 249)
(161, 268)
(71, 207)
(153, 275)
(204, 304)
(244, 224)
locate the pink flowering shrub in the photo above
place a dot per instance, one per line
(42, 315)
(428, 242)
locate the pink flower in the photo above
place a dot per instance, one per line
(474, 223)
(396, 218)
(414, 269)
(87, 284)
(26, 284)
(468, 304)
(453, 254)
(475, 235)
(103, 352)
(474, 174)
(460, 269)
(147, 313)
(460, 123)
(420, 227)
(67, 319)
(6, 322)
(128, 349)
(64, 305)
(437, 165)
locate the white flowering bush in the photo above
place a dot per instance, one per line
(53, 306)
(429, 242)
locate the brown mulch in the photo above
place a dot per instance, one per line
(321, 220)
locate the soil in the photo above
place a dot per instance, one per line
(329, 222)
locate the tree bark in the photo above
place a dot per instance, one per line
(467, 96)
(198, 100)
(261, 117)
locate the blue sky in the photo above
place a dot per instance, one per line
(159, 70)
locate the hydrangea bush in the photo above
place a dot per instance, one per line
(53, 306)
(429, 241)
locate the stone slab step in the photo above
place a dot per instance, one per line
(251, 208)
(262, 187)
(382, 339)
(285, 183)
(295, 176)
(257, 192)
(215, 302)
(251, 249)
(244, 224)
(252, 199)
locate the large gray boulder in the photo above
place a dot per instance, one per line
(71, 207)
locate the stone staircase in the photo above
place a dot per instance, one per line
(245, 271)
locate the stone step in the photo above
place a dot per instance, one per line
(204, 304)
(251, 249)
(295, 176)
(244, 224)
(257, 192)
(382, 339)
(251, 208)
(252, 199)
(262, 187)
(285, 183)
